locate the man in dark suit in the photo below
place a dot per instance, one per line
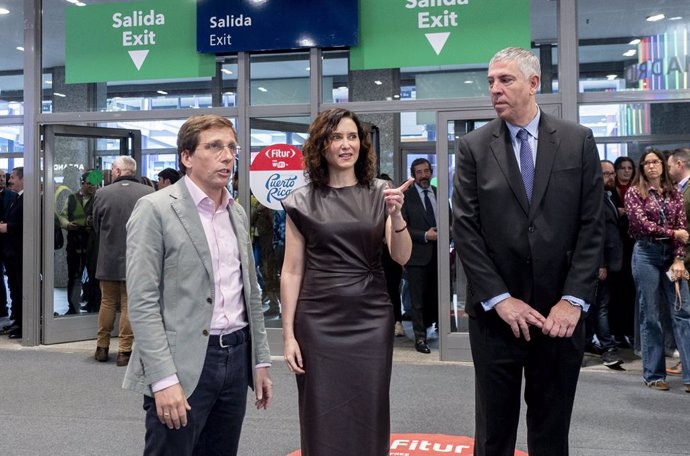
(611, 261)
(420, 213)
(530, 247)
(6, 198)
(11, 227)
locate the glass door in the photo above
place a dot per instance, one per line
(453, 323)
(267, 219)
(76, 162)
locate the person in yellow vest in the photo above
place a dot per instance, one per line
(78, 221)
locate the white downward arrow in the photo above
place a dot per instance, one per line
(437, 40)
(138, 57)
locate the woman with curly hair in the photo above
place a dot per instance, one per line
(337, 315)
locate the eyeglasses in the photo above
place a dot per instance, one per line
(609, 173)
(217, 147)
(651, 162)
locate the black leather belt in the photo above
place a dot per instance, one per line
(230, 339)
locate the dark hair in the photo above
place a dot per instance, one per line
(320, 131)
(681, 154)
(419, 161)
(619, 163)
(188, 136)
(640, 181)
(169, 174)
(19, 171)
(385, 176)
(609, 162)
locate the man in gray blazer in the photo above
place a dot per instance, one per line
(195, 305)
(527, 201)
(112, 206)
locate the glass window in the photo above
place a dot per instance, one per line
(335, 80)
(59, 96)
(633, 45)
(627, 129)
(11, 146)
(228, 73)
(279, 79)
(268, 223)
(12, 59)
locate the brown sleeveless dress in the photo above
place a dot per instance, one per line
(343, 321)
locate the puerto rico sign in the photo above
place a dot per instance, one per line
(275, 172)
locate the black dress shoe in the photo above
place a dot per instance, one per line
(16, 334)
(8, 329)
(421, 346)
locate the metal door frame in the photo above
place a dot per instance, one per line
(453, 346)
(82, 327)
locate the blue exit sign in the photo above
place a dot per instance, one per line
(263, 25)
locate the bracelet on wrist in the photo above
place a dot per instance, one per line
(401, 229)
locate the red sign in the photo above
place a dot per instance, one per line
(429, 445)
(275, 172)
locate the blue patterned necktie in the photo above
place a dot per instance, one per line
(526, 162)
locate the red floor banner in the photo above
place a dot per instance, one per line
(429, 445)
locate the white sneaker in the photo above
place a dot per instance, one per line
(399, 331)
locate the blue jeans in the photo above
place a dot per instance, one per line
(598, 319)
(650, 261)
(218, 406)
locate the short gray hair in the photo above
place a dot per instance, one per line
(527, 62)
(126, 164)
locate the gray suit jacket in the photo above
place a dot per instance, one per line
(112, 206)
(171, 290)
(537, 252)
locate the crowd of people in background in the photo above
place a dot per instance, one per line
(642, 298)
(75, 195)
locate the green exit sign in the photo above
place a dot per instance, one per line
(399, 33)
(133, 41)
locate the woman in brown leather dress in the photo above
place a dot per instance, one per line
(337, 315)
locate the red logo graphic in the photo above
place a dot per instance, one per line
(429, 445)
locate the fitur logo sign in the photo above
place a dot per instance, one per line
(274, 173)
(133, 41)
(429, 445)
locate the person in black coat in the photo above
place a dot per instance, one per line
(12, 228)
(611, 261)
(6, 198)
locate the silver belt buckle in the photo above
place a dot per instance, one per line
(220, 340)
